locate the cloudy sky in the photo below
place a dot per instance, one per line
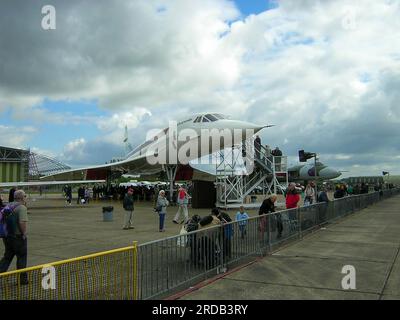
(326, 73)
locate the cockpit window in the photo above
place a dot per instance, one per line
(219, 116)
(211, 117)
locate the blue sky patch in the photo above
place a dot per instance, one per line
(248, 7)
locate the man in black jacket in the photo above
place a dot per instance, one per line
(268, 206)
(81, 194)
(128, 206)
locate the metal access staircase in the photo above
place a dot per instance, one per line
(269, 173)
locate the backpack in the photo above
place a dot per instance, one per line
(8, 221)
(225, 216)
(192, 226)
(206, 220)
(193, 223)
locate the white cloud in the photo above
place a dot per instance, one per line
(343, 157)
(138, 56)
(120, 120)
(80, 152)
(16, 137)
(73, 150)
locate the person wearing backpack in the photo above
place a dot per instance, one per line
(15, 241)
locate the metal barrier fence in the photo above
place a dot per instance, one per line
(160, 267)
(106, 275)
(177, 262)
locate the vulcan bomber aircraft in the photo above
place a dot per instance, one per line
(305, 172)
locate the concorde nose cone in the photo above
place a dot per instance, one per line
(258, 128)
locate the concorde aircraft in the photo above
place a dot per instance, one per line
(159, 153)
(305, 172)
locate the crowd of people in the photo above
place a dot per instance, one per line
(146, 192)
(160, 207)
(343, 190)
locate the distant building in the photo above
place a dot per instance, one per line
(19, 165)
(14, 164)
(363, 179)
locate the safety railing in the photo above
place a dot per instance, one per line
(177, 262)
(158, 268)
(107, 275)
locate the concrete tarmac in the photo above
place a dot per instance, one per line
(312, 268)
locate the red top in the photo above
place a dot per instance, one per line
(181, 194)
(292, 200)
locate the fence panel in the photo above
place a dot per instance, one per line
(107, 275)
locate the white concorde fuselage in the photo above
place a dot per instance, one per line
(195, 137)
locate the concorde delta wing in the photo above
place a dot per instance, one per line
(136, 165)
(46, 183)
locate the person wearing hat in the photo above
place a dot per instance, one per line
(128, 206)
(162, 204)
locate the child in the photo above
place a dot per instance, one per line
(242, 217)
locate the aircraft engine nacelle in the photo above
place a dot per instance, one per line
(307, 172)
